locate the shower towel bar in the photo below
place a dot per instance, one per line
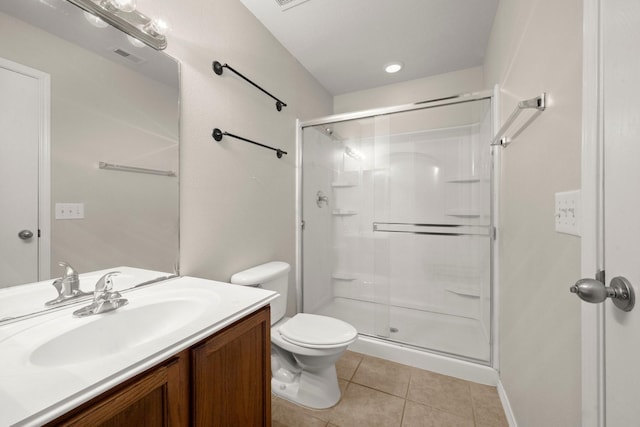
(122, 168)
(218, 134)
(435, 229)
(539, 103)
(218, 68)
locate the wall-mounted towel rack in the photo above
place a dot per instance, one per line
(218, 68)
(111, 166)
(539, 103)
(218, 134)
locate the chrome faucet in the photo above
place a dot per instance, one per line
(104, 298)
(68, 286)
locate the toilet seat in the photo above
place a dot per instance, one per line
(315, 331)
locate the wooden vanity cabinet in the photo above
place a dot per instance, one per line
(224, 380)
(157, 397)
(231, 375)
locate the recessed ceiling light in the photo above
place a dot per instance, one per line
(393, 67)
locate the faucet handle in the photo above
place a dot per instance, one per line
(105, 284)
(68, 270)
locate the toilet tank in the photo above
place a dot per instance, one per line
(273, 276)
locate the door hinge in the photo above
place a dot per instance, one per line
(302, 224)
(38, 232)
(494, 233)
(600, 276)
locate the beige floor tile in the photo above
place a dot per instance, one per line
(487, 406)
(347, 364)
(321, 414)
(417, 415)
(286, 414)
(362, 406)
(383, 375)
(441, 392)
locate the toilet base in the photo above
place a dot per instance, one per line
(316, 390)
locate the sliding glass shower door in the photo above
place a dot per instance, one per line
(398, 226)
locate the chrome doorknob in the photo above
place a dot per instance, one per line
(591, 290)
(25, 234)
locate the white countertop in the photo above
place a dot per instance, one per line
(32, 393)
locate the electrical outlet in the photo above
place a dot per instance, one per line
(567, 213)
(69, 210)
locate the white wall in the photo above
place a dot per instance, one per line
(535, 46)
(237, 200)
(441, 85)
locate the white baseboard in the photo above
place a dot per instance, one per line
(511, 419)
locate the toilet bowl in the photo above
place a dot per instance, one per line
(305, 347)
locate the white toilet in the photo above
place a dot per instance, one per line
(305, 347)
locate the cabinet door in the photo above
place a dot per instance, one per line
(231, 375)
(158, 397)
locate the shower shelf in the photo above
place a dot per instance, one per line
(344, 212)
(340, 184)
(343, 276)
(467, 291)
(463, 179)
(463, 213)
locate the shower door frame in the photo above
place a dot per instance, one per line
(493, 97)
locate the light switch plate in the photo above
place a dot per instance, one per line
(69, 210)
(567, 212)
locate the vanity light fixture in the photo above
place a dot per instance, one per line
(393, 67)
(123, 15)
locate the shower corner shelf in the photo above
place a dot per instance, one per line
(342, 184)
(343, 276)
(463, 179)
(344, 212)
(463, 213)
(467, 291)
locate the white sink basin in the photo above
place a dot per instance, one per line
(117, 331)
(76, 359)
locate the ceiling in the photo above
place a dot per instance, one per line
(345, 44)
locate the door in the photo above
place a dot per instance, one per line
(23, 136)
(611, 227)
(621, 101)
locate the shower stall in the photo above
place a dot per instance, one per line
(397, 225)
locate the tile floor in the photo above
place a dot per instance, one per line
(376, 392)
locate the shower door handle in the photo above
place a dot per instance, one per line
(594, 291)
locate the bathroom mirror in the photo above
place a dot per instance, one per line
(100, 98)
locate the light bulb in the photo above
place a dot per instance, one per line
(393, 67)
(157, 27)
(124, 5)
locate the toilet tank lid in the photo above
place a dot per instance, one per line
(261, 273)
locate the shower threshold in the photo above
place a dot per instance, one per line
(460, 336)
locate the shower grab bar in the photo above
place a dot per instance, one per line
(539, 103)
(218, 68)
(436, 229)
(123, 168)
(218, 134)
